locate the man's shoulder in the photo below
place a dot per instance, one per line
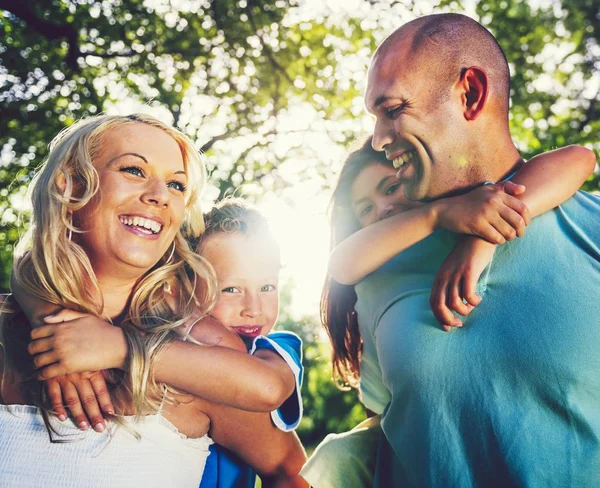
(568, 235)
(584, 201)
(579, 217)
(579, 214)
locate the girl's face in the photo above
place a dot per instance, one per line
(140, 205)
(247, 268)
(376, 194)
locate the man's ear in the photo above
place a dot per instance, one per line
(474, 85)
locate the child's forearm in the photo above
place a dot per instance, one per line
(487, 212)
(285, 472)
(225, 376)
(550, 179)
(373, 246)
(275, 455)
(554, 177)
(222, 371)
(287, 464)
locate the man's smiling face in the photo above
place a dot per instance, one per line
(418, 120)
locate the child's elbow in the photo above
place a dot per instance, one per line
(286, 465)
(347, 280)
(340, 273)
(591, 161)
(211, 332)
(585, 158)
(342, 279)
(274, 392)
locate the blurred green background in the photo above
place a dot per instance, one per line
(270, 90)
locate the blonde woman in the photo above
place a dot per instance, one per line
(109, 209)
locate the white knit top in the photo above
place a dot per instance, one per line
(162, 458)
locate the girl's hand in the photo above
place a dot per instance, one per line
(86, 396)
(66, 351)
(76, 343)
(457, 280)
(490, 212)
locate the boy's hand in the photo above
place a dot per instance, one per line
(73, 342)
(457, 280)
(491, 212)
(86, 396)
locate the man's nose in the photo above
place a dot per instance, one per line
(383, 135)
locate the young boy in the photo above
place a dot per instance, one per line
(246, 258)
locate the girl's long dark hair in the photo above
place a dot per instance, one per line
(337, 300)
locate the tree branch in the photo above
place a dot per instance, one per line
(207, 145)
(590, 112)
(49, 30)
(227, 184)
(266, 48)
(124, 54)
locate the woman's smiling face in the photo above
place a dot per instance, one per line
(376, 194)
(133, 219)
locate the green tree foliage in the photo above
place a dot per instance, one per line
(227, 71)
(554, 52)
(327, 408)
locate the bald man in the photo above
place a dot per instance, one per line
(512, 398)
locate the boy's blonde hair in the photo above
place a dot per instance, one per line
(50, 266)
(232, 215)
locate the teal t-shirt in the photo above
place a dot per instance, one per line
(512, 398)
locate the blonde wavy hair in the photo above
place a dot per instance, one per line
(54, 268)
(229, 216)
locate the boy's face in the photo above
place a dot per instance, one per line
(247, 268)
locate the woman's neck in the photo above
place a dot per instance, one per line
(116, 294)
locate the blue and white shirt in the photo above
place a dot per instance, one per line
(223, 468)
(289, 346)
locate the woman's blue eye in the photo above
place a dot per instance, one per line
(230, 289)
(267, 288)
(177, 185)
(134, 170)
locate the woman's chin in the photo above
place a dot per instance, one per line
(138, 260)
